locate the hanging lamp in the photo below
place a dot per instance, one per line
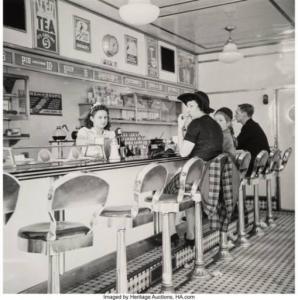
(139, 12)
(230, 53)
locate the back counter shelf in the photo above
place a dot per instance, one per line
(15, 97)
(136, 108)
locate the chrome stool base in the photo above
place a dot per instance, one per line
(243, 242)
(264, 225)
(223, 255)
(258, 231)
(271, 223)
(167, 289)
(200, 272)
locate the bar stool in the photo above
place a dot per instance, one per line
(242, 162)
(254, 179)
(171, 203)
(11, 188)
(55, 237)
(284, 160)
(149, 185)
(270, 173)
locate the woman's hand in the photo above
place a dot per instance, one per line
(181, 121)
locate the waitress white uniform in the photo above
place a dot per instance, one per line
(97, 144)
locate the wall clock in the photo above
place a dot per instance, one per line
(110, 45)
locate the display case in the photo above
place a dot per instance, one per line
(137, 108)
(15, 97)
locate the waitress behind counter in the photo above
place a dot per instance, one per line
(96, 132)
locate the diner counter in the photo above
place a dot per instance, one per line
(28, 171)
(23, 270)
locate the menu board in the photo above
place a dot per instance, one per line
(45, 104)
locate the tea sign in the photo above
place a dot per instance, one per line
(45, 25)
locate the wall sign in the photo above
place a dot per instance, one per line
(105, 76)
(186, 68)
(152, 85)
(173, 90)
(36, 62)
(75, 71)
(45, 104)
(45, 25)
(152, 59)
(135, 82)
(7, 57)
(82, 34)
(131, 45)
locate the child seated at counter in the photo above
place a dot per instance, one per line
(96, 131)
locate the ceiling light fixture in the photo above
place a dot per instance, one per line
(230, 51)
(139, 12)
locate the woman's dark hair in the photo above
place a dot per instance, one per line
(95, 108)
(248, 108)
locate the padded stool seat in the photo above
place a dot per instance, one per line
(69, 236)
(169, 198)
(122, 211)
(74, 190)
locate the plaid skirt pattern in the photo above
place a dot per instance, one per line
(217, 198)
(173, 185)
(219, 204)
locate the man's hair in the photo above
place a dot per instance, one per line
(248, 108)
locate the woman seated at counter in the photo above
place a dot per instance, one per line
(203, 139)
(96, 131)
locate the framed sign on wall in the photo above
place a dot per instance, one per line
(45, 104)
(186, 68)
(82, 34)
(152, 58)
(131, 45)
(45, 28)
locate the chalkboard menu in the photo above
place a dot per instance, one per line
(45, 104)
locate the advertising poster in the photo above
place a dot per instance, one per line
(152, 59)
(82, 34)
(131, 45)
(45, 104)
(186, 68)
(45, 25)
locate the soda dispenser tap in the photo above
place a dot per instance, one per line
(121, 143)
(114, 156)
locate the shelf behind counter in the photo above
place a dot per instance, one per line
(60, 167)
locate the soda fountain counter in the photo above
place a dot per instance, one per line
(24, 270)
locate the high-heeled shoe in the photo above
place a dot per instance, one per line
(189, 242)
(175, 239)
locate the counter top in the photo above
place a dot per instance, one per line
(58, 168)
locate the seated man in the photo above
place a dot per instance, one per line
(252, 137)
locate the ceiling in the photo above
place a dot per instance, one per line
(198, 25)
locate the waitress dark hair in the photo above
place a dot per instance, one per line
(92, 112)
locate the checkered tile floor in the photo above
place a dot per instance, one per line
(267, 266)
